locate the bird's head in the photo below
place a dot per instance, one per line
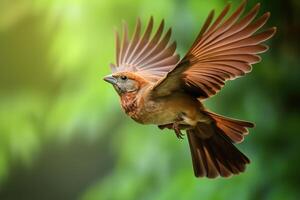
(125, 82)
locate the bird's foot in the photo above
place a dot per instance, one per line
(176, 128)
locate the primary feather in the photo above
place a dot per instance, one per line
(223, 50)
(150, 57)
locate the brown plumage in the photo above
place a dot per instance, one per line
(155, 87)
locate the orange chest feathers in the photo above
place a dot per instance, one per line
(130, 105)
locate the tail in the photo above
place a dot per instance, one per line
(212, 149)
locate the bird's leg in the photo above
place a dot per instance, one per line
(176, 127)
(168, 126)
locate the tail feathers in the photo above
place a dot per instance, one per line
(233, 128)
(215, 155)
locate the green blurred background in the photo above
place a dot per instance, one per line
(64, 136)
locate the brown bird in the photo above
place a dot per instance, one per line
(156, 87)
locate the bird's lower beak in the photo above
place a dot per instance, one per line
(110, 79)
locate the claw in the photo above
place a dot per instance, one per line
(177, 131)
(176, 127)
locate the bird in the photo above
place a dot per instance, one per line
(156, 87)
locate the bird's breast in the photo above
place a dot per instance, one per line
(129, 104)
(160, 111)
(147, 111)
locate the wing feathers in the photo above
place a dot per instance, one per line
(118, 47)
(252, 49)
(143, 41)
(241, 24)
(224, 27)
(134, 41)
(204, 27)
(222, 51)
(165, 62)
(250, 41)
(167, 52)
(248, 58)
(203, 38)
(150, 44)
(246, 32)
(158, 48)
(151, 57)
(124, 44)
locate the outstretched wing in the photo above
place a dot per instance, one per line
(223, 50)
(151, 57)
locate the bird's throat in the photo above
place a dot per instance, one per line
(129, 103)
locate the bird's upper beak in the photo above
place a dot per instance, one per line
(110, 79)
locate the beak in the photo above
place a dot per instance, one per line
(110, 79)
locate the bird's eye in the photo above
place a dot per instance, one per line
(124, 78)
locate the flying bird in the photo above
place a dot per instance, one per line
(157, 87)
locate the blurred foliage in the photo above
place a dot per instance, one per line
(64, 136)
